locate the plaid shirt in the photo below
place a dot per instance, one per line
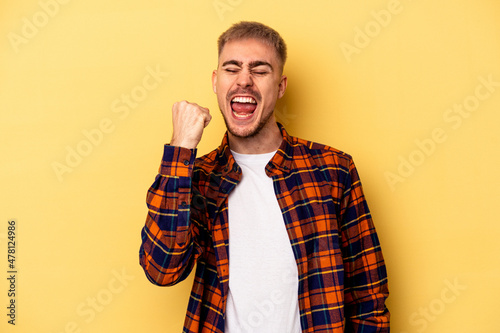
(342, 276)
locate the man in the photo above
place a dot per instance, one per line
(278, 226)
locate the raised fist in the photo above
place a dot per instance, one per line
(189, 120)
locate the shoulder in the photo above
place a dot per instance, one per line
(320, 154)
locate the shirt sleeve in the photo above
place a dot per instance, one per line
(366, 286)
(169, 246)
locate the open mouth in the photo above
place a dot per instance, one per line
(243, 107)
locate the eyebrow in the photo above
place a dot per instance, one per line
(252, 64)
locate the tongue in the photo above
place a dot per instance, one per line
(244, 107)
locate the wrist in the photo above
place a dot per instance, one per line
(185, 143)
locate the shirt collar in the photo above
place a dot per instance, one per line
(281, 161)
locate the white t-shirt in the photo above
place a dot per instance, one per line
(263, 279)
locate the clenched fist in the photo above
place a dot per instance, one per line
(189, 120)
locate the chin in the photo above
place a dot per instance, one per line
(245, 131)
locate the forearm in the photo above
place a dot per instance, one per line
(169, 248)
(365, 295)
(366, 288)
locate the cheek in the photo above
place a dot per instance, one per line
(220, 87)
(223, 87)
(225, 80)
(271, 93)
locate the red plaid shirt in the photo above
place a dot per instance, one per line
(342, 275)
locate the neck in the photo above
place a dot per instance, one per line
(267, 140)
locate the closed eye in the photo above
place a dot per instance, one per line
(231, 70)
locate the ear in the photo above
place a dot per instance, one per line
(282, 86)
(214, 81)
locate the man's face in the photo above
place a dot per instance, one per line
(248, 82)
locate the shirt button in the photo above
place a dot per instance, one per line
(186, 162)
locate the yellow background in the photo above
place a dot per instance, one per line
(381, 101)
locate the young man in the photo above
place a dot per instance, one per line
(278, 226)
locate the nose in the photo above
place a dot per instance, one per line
(245, 79)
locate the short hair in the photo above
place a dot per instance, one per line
(256, 30)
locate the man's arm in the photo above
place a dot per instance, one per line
(365, 274)
(171, 238)
(169, 246)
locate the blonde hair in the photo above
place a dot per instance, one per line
(256, 30)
